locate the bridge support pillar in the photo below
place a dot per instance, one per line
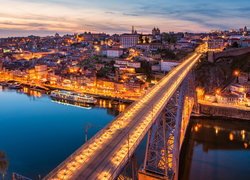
(166, 135)
(211, 57)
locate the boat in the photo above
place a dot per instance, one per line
(70, 103)
(4, 83)
(15, 86)
(73, 97)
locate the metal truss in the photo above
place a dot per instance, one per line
(155, 159)
(163, 143)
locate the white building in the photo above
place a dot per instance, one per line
(124, 64)
(215, 44)
(114, 52)
(168, 65)
(242, 41)
(129, 40)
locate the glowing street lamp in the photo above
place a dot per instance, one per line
(237, 73)
(218, 91)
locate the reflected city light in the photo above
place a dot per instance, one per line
(196, 128)
(231, 136)
(216, 130)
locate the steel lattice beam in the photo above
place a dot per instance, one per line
(165, 136)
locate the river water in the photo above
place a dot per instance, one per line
(37, 134)
(216, 149)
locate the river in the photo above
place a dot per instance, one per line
(216, 149)
(37, 133)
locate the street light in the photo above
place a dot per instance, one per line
(237, 73)
(217, 91)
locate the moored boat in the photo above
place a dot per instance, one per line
(73, 97)
(15, 86)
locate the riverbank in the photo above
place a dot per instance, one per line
(48, 88)
(224, 110)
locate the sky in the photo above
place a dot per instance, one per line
(46, 17)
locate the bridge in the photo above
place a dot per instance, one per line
(163, 114)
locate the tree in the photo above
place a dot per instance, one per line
(141, 39)
(147, 40)
(3, 164)
(103, 72)
(235, 45)
(146, 69)
(171, 39)
(167, 54)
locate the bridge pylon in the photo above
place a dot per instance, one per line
(167, 133)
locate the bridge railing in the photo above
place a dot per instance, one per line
(135, 145)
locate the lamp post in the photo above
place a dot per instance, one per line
(237, 73)
(218, 91)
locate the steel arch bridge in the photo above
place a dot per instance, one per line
(163, 113)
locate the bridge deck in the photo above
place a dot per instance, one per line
(107, 152)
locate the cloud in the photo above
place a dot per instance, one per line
(130, 14)
(110, 12)
(69, 16)
(207, 15)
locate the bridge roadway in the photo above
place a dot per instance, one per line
(104, 155)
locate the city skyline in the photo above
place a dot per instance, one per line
(130, 89)
(26, 17)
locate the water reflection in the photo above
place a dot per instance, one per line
(113, 107)
(37, 134)
(31, 92)
(216, 149)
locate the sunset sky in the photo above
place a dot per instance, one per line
(45, 17)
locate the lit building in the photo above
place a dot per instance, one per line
(245, 31)
(135, 85)
(240, 88)
(126, 64)
(105, 84)
(227, 98)
(41, 72)
(54, 79)
(129, 40)
(216, 44)
(114, 52)
(241, 41)
(166, 66)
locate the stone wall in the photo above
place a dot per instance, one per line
(231, 53)
(224, 112)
